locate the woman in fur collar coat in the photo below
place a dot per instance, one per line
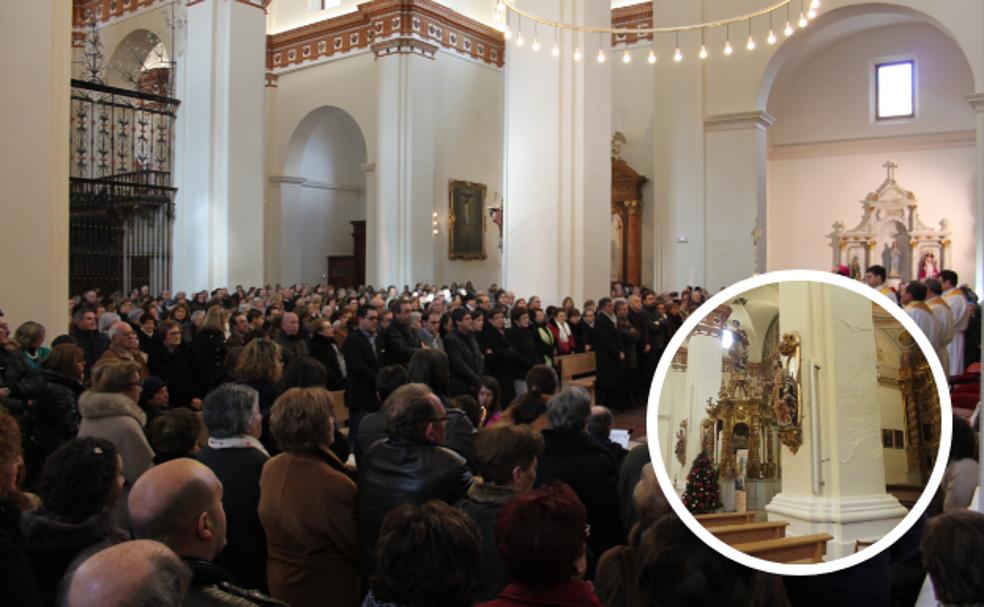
(110, 411)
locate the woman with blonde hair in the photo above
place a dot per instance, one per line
(259, 366)
(307, 506)
(29, 337)
(211, 349)
(110, 411)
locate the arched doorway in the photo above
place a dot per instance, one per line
(323, 200)
(141, 61)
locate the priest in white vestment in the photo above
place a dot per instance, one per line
(944, 318)
(955, 297)
(914, 302)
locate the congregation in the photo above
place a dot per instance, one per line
(190, 451)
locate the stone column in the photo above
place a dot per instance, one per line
(219, 220)
(678, 169)
(735, 189)
(373, 275)
(35, 60)
(403, 248)
(558, 111)
(704, 373)
(848, 500)
(977, 102)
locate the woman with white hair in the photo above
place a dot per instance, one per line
(573, 456)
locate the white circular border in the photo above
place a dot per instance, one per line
(725, 296)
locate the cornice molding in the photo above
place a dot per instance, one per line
(977, 102)
(739, 121)
(632, 17)
(313, 184)
(870, 145)
(387, 27)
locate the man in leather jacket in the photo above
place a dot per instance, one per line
(409, 466)
(179, 503)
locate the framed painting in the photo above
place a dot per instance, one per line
(466, 220)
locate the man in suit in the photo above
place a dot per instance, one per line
(398, 337)
(607, 344)
(362, 363)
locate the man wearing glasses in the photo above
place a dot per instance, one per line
(362, 361)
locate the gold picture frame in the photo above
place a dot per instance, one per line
(466, 220)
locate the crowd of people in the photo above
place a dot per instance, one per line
(176, 451)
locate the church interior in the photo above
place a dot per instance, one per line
(813, 404)
(351, 156)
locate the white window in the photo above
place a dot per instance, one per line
(895, 90)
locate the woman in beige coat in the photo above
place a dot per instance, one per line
(307, 506)
(110, 411)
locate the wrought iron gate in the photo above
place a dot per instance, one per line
(121, 195)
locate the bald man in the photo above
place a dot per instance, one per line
(179, 503)
(291, 340)
(139, 572)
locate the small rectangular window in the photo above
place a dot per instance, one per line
(895, 90)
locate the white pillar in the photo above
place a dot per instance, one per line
(403, 250)
(977, 102)
(678, 159)
(704, 371)
(735, 188)
(219, 214)
(837, 333)
(557, 237)
(35, 60)
(373, 275)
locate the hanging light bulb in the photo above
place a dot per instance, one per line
(520, 41)
(555, 51)
(536, 45)
(652, 56)
(678, 54)
(750, 45)
(802, 22)
(727, 48)
(811, 14)
(497, 16)
(507, 33)
(772, 38)
(789, 29)
(815, 4)
(626, 56)
(703, 52)
(601, 56)
(577, 54)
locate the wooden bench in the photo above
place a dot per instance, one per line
(800, 549)
(578, 370)
(750, 532)
(721, 519)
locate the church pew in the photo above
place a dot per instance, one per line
(720, 519)
(750, 532)
(578, 370)
(803, 548)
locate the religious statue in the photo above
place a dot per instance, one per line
(928, 266)
(855, 268)
(618, 238)
(786, 398)
(896, 257)
(739, 345)
(681, 443)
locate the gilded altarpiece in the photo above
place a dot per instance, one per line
(922, 408)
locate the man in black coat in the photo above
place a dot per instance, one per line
(464, 355)
(410, 466)
(643, 374)
(500, 356)
(362, 363)
(606, 341)
(523, 341)
(400, 342)
(573, 456)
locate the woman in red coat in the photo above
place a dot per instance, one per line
(541, 540)
(563, 336)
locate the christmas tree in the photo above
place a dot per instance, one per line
(702, 495)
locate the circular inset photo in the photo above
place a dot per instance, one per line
(801, 422)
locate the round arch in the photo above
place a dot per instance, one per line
(838, 23)
(334, 134)
(138, 51)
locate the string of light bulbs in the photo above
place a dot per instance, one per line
(808, 10)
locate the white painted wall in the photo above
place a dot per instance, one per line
(468, 147)
(893, 418)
